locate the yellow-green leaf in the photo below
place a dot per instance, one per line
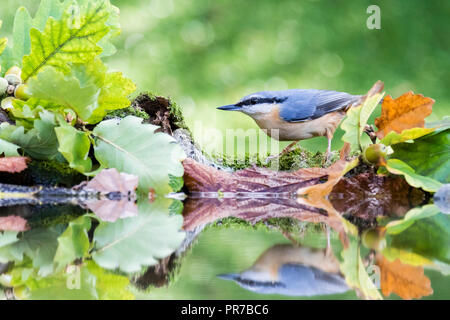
(396, 166)
(73, 39)
(408, 134)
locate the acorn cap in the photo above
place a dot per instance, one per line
(21, 92)
(7, 103)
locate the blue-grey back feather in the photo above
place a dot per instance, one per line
(307, 104)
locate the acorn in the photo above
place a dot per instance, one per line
(7, 103)
(3, 86)
(374, 239)
(21, 92)
(13, 75)
(373, 153)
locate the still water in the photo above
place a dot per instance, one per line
(67, 244)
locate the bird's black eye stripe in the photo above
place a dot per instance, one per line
(256, 100)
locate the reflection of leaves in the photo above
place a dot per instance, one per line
(110, 286)
(37, 244)
(132, 243)
(368, 195)
(406, 281)
(414, 214)
(428, 156)
(111, 210)
(133, 147)
(406, 112)
(73, 243)
(396, 166)
(427, 237)
(13, 164)
(355, 273)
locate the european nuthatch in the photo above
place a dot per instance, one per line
(293, 271)
(297, 114)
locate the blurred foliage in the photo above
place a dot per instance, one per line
(207, 53)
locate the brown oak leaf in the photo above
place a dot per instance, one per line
(111, 180)
(406, 112)
(253, 194)
(13, 164)
(408, 282)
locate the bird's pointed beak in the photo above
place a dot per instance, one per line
(228, 276)
(230, 107)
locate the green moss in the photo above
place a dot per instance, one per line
(54, 173)
(295, 159)
(177, 114)
(130, 111)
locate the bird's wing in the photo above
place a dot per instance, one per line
(312, 104)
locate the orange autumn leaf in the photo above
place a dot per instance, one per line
(13, 164)
(406, 112)
(408, 282)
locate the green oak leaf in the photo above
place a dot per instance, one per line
(53, 86)
(73, 243)
(113, 95)
(132, 243)
(354, 271)
(133, 147)
(8, 149)
(72, 39)
(21, 35)
(74, 145)
(39, 142)
(396, 166)
(3, 41)
(25, 112)
(428, 156)
(408, 134)
(356, 120)
(47, 9)
(395, 227)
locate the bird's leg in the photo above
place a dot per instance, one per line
(285, 150)
(328, 154)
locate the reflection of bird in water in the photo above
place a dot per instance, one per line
(292, 271)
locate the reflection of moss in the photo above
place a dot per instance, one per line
(50, 215)
(52, 173)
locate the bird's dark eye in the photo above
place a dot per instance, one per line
(253, 101)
